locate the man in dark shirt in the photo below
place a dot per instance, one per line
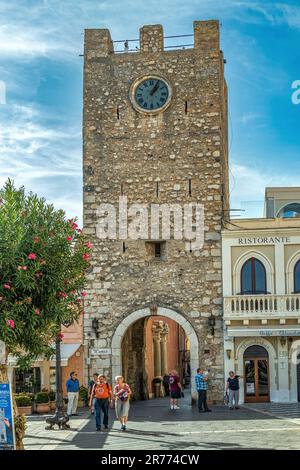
(232, 389)
(91, 385)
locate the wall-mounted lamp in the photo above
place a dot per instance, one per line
(229, 353)
(211, 324)
(95, 326)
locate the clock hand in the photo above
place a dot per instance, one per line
(155, 88)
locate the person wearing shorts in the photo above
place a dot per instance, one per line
(122, 393)
(175, 389)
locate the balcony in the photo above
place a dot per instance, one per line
(262, 307)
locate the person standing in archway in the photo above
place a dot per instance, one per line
(175, 388)
(122, 394)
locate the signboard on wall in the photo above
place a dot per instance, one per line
(101, 352)
(7, 429)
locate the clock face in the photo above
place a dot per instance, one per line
(151, 94)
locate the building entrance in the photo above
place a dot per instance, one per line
(256, 374)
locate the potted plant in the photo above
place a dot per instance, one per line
(52, 400)
(42, 402)
(83, 396)
(24, 403)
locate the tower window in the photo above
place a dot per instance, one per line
(190, 186)
(118, 113)
(186, 107)
(156, 250)
(157, 188)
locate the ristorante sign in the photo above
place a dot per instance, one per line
(263, 240)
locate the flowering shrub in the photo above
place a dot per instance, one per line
(43, 258)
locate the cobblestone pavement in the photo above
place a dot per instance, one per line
(153, 426)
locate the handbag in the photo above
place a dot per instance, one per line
(226, 398)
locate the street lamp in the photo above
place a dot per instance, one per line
(60, 418)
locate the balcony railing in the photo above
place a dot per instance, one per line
(262, 306)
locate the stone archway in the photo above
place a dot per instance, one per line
(116, 344)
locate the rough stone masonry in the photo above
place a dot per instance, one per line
(177, 155)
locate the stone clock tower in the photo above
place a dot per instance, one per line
(155, 132)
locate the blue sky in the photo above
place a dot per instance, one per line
(40, 124)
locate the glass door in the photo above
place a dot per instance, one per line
(256, 380)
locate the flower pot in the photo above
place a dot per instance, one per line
(53, 405)
(25, 410)
(43, 408)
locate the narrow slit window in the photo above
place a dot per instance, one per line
(157, 188)
(118, 113)
(124, 247)
(186, 107)
(190, 186)
(121, 189)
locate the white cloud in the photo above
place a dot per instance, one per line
(248, 186)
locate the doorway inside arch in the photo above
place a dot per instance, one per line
(298, 376)
(256, 374)
(151, 348)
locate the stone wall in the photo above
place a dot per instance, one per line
(151, 159)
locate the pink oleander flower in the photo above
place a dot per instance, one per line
(1, 298)
(78, 300)
(37, 311)
(10, 323)
(89, 245)
(83, 294)
(6, 286)
(86, 256)
(69, 238)
(22, 268)
(36, 239)
(31, 256)
(74, 226)
(38, 274)
(62, 295)
(78, 230)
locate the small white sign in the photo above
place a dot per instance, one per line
(2, 352)
(101, 352)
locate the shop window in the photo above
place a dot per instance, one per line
(297, 278)
(253, 277)
(28, 380)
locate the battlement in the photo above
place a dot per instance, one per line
(98, 42)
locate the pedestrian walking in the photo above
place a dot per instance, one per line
(175, 389)
(232, 389)
(201, 379)
(122, 394)
(100, 399)
(72, 386)
(166, 385)
(91, 385)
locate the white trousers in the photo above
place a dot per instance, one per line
(72, 403)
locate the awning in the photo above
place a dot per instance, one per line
(66, 351)
(263, 332)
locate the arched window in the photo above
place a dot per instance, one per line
(253, 277)
(290, 210)
(297, 278)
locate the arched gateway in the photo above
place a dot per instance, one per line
(116, 343)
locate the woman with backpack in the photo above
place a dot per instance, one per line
(122, 394)
(101, 397)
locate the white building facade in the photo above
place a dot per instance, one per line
(261, 285)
